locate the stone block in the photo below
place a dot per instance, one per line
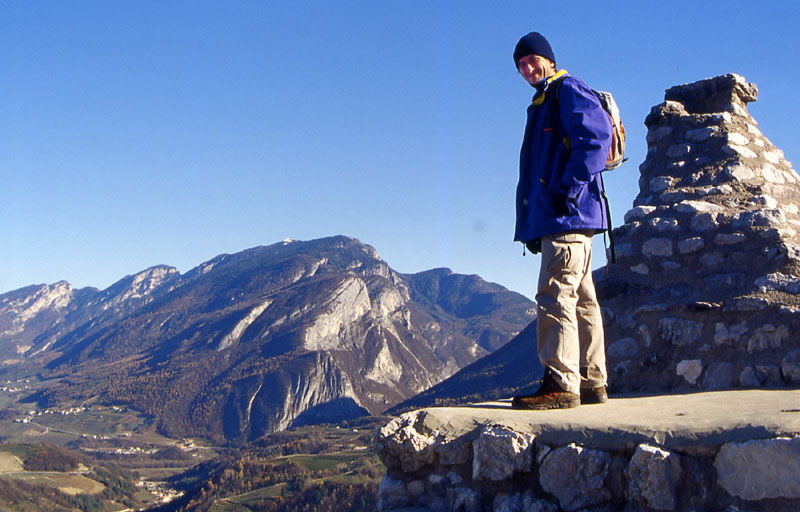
(734, 149)
(779, 281)
(499, 452)
(652, 475)
(576, 476)
(453, 452)
(760, 469)
(679, 150)
(690, 370)
(749, 378)
(623, 251)
(679, 331)
(641, 269)
(769, 217)
(773, 175)
(696, 207)
(401, 446)
(704, 222)
(658, 133)
(718, 376)
(737, 138)
(690, 245)
(624, 348)
(765, 201)
(770, 374)
(727, 334)
(773, 156)
(766, 337)
(701, 134)
(661, 183)
(638, 212)
(657, 247)
(739, 172)
(747, 304)
(730, 238)
(790, 366)
(711, 191)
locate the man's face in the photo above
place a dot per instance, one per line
(535, 68)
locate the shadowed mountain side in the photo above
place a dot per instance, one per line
(480, 303)
(512, 369)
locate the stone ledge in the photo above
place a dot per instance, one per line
(673, 452)
(671, 421)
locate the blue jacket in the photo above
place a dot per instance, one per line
(560, 161)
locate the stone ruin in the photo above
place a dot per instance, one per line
(705, 292)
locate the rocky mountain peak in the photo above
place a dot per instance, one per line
(705, 289)
(251, 342)
(137, 286)
(23, 306)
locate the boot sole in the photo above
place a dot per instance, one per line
(546, 407)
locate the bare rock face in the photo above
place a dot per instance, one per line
(706, 289)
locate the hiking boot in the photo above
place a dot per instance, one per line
(549, 396)
(597, 395)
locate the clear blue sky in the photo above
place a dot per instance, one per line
(136, 133)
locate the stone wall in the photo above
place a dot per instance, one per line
(705, 291)
(501, 469)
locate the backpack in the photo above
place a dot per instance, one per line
(616, 154)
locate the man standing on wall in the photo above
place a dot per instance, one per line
(559, 209)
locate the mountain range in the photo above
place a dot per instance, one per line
(294, 333)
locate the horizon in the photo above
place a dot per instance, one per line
(167, 134)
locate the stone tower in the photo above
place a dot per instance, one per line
(705, 293)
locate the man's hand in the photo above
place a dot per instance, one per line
(534, 246)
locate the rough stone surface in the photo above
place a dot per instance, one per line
(760, 469)
(652, 475)
(576, 476)
(500, 452)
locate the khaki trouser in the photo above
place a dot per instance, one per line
(569, 325)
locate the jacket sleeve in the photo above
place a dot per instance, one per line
(588, 128)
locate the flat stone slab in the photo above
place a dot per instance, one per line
(672, 421)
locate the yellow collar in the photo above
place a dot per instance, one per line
(538, 98)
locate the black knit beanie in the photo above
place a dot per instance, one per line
(533, 43)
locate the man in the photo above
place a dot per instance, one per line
(565, 146)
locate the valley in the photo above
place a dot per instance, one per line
(109, 458)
